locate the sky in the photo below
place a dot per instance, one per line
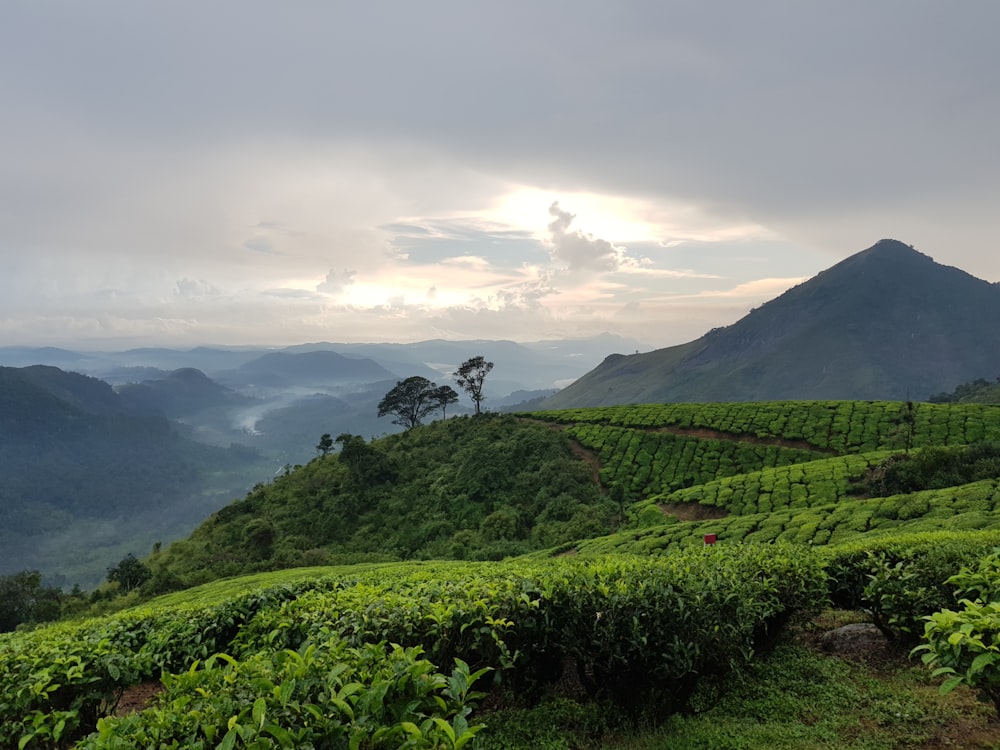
(180, 173)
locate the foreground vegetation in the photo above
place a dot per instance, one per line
(510, 655)
(888, 510)
(389, 657)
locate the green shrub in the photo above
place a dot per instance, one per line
(965, 645)
(637, 629)
(902, 579)
(324, 694)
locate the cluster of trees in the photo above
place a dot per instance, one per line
(414, 398)
(979, 391)
(469, 487)
(932, 468)
(26, 600)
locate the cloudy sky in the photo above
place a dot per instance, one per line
(181, 173)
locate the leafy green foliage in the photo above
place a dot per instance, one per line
(325, 444)
(800, 485)
(129, 573)
(310, 662)
(24, 599)
(645, 462)
(934, 467)
(411, 400)
(971, 507)
(836, 426)
(324, 694)
(463, 488)
(978, 391)
(902, 579)
(965, 646)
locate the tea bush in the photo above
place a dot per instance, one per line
(634, 628)
(901, 580)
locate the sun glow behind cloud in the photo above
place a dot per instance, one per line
(620, 219)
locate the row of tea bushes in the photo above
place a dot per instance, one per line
(972, 506)
(635, 629)
(839, 426)
(801, 485)
(648, 463)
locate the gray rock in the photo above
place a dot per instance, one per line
(860, 637)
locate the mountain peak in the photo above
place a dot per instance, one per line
(885, 323)
(893, 250)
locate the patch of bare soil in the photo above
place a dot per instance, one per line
(692, 511)
(708, 434)
(137, 697)
(590, 458)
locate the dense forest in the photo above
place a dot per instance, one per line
(978, 391)
(477, 488)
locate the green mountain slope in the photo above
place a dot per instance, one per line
(489, 487)
(467, 488)
(760, 496)
(83, 481)
(802, 517)
(887, 322)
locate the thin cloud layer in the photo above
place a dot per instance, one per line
(244, 172)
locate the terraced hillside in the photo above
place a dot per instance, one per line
(787, 470)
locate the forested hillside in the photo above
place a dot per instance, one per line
(466, 488)
(978, 391)
(81, 475)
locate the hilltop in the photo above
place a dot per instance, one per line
(886, 323)
(466, 488)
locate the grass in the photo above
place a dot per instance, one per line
(797, 698)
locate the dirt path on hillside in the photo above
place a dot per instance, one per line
(692, 511)
(683, 511)
(744, 437)
(706, 433)
(590, 458)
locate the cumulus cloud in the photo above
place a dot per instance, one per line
(336, 282)
(579, 251)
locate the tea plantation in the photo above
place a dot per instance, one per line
(644, 624)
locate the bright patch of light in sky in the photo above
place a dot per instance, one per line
(605, 216)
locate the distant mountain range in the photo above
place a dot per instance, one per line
(86, 478)
(105, 453)
(280, 401)
(886, 323)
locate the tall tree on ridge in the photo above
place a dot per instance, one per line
(470, 376)
(444, 395)
(410, 401)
